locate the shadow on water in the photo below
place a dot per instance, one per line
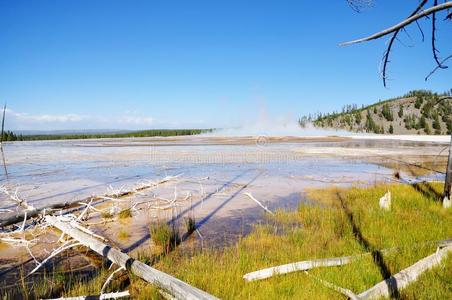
(376, 254)
(187, 210)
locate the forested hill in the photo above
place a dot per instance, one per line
(11, 136)
(417, 112)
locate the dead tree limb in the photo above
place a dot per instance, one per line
(299, 266)
(174, 286)
(3, 127)
(402, 279)
(402, 24)
(20, 216)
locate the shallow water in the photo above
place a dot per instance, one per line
(52, 171)
(216, 172)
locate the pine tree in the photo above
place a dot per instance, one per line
(400, 111)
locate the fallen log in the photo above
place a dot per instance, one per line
(20, 216)
(298, 266)
(317, 263)
(174, 286)
(393, 284)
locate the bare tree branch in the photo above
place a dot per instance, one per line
(420, 29)
(391, 42)
(438, 67)
(449, 16)
(435, 51)
(359, 5)
(404, 23)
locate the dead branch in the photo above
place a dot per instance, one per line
(3, 128)
(259, 203)
(67, 245)
(174, 286)
(104, 286)
(15, 197)
(116, 194)
(402, 24)
(400, 280)
(435, 51)
(299, 266)
(325, 262)
(438, 67)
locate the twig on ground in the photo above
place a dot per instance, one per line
(260, 204)
(104, 286)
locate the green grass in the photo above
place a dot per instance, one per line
(122, 234)
(325, 231)
(164, 236)
(106, 215)
(345, 222)
(125, 213)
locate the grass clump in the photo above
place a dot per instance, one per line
(125, 213)
(164, 236)
(123, 234)
(190, 225)
(106, 215)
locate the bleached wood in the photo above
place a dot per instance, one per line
(258, 202)
(174, 286)
(317, 263)
(407, 21)
(57, 251)
(299, 266)
(35, 212)
(385, 201)
(402, 279)
(116, 295)
(105, 285)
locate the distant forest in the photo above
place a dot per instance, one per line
(11, 136)
(417, 112)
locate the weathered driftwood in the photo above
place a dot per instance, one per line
(20, 216)
(400, 280)
(94, 200)
(385, 201)
(174, 286)
(116, 295)
(298, 266)
(110, 278)
(317, 263)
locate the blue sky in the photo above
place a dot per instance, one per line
(155, 64)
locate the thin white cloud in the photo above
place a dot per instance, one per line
(45, 117)
(128, 120)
